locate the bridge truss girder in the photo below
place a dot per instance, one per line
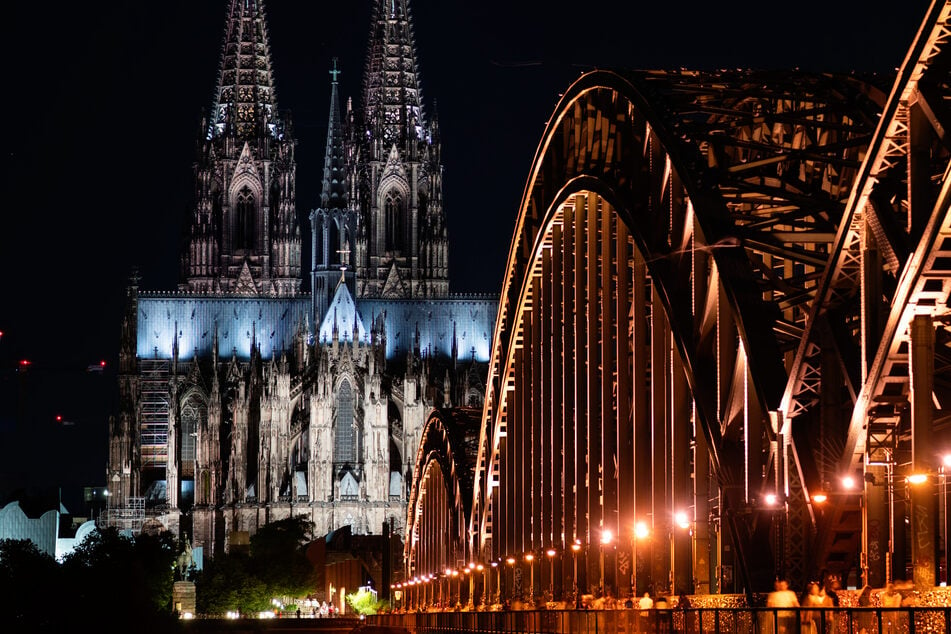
(721, 286)
(670, 241)
(439, 507)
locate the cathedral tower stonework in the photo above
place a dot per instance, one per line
(244, 399)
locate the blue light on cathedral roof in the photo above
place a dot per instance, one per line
(271, 323)
(469, 322)
(342, 316)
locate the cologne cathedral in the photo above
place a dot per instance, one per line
(246, 397)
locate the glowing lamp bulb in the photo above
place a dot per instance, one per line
(771, 499)
(640, 530)
(681, 518)
(819, 498)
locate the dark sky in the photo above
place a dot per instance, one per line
(103, 102)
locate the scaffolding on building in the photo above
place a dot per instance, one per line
(153, 412)
(130, 517)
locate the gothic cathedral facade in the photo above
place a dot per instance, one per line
(246, 398)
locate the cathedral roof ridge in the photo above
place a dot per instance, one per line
(201, 294)
(492, 296)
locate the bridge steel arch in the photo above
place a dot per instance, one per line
(884, 298)
(668, 248)
(439, 508)
(669, 245)
(724, 290)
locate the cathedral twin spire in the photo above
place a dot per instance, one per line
(392, 99)
(244, 237)
(245, 102)
(380, 216)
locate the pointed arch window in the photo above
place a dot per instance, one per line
(194, 414)
(244, 219)
(345, 428)
(393, 215)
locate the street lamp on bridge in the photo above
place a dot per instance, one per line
(551, 552)
(497, 594)
(530, 558)
(575, 549)
(606, 538)
(640, 532)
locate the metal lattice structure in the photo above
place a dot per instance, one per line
(671, 237)
(439, 499)
(725, 290)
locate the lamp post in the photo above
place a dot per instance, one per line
(444, 600)
(511, 562)
(551, 552)
(575, 549)
(530, 558)
(921, 493)
(849, 485)
(455, 575)
(606, 537)
(640, 532)
(468, 570)
(497, 594)
(683, 522)
(480, 568)
(471, 570)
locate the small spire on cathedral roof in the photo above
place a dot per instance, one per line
(333, 191)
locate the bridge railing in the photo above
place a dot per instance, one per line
(845, 620)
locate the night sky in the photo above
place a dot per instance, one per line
(103, 103)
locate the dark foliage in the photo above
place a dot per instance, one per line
(30, 583)
(276, 567)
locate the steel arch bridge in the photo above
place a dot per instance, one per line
(440, 501)
(725, 291)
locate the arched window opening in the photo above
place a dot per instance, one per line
(244, 219)
(193, 414)
(333, 243)
(393, 215)
(345, 427)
